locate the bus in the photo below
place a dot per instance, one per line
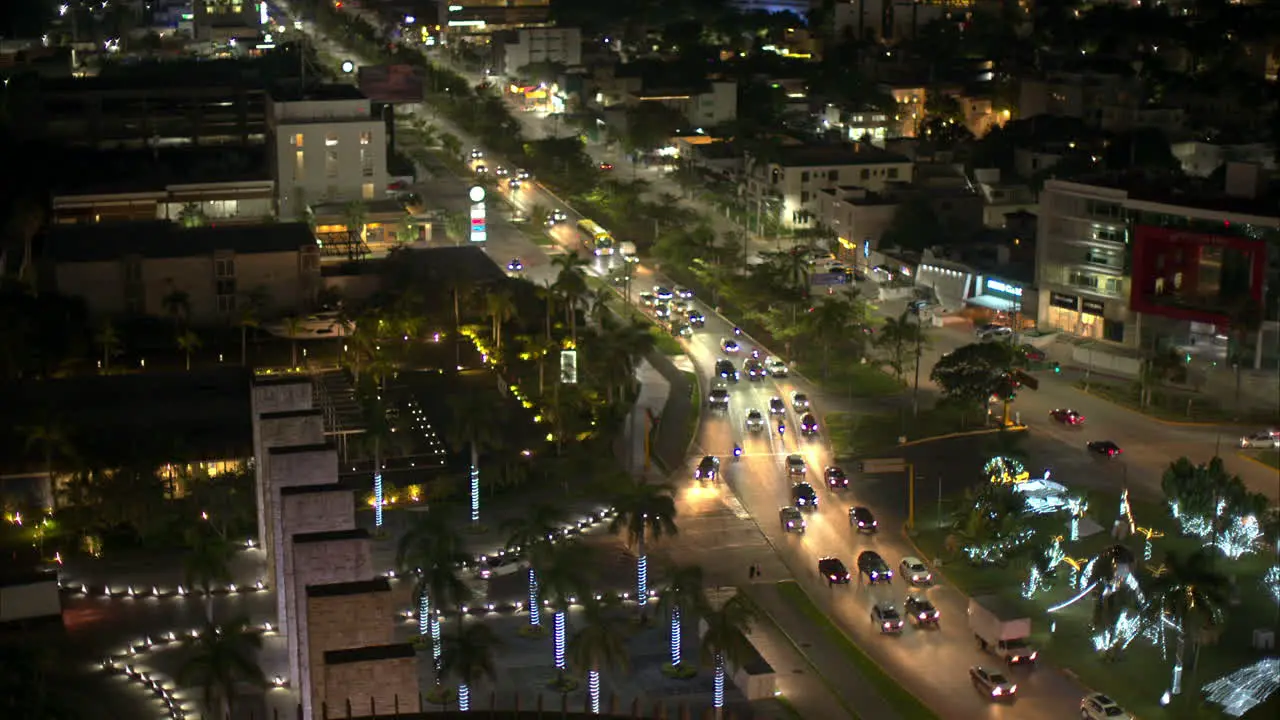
(598, 240)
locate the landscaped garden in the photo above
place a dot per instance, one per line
(1122, 591)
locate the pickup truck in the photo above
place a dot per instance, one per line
(1001, 630)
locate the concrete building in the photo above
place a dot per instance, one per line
(858, 217)
(1201, 159)
(797, 175)
(1143, 264)
(221, 20)
(715, 103)
(515, 50)
(856, 125)
(137, 268)
(481, 17)
(326, 146)
(893, 20)
(1107, 101)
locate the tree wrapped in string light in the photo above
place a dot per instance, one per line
(1238, 537)
(1271, 582)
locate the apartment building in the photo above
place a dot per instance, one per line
(461, 18)
(516, 49)
(326, 146)
(893, 20)
(142, 268)
(217, 20)
(859, 217)
(794, 178)
(1140, 263)
(714, 103)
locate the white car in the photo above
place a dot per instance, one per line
(1264, 439)
(993, 332)
(755, 421)
(776, 367)
(915, 571)
(1100, 707)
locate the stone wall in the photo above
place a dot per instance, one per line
(376, 687)
(291, 467)
(298, 428)
(275, 395)
(317, 556)
(340, 617)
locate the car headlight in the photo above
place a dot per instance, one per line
(923, 615)
(885, 625)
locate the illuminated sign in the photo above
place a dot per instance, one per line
(569, 367)
(466, 23)
(476, 193)
(1003, 287)
(262, 13)
(866, 248)
(479, 231)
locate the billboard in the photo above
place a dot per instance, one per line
(391, 83)
(1198, 276)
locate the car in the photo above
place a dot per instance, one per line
(1262, 439)
(799, 401)
(557, 216)
(861, 518)
(515, 265)
(662, 310)
(481, 169)
(708, 468)
(1032, 353)
(679, 329)
(662, 293)
(833, 569)
(684, 293)
(755, 421)
(680, 306)
(803, 496)
(836, 477)
(873, 566)
(886, 616)
(921, 610)
(776, 367)
(915, 571)
(514, 183)
(917, 305)
(696, 319)
(993, 683)
(796, 465)
(501, 171)
(476, 153)
(792, 519)
(523, 174)
(648, 299)
(729, 345)
(718, 398)
(726, 371)
(754, 369)
(1066, 416)
(1100, 707)
(606, 166)
(776, 407)
(808, 425)
(1103, 448)
(994, 332)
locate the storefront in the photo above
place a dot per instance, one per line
(1076, 315)
(1001, 300)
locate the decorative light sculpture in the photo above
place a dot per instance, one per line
(1238, 538)
(1034, 583)
(1006, 470)
(535, 610)
(1245, 688)
(475, 494)
(642, 578)
(1271, 582)
(718, 693)
(593, 689)
(1126, 513)
(424, 615)
(558, 639)
(1077, 506)
(464, 698)
(1117, 637)
(377, 498)
(436, 645)
(675, 637)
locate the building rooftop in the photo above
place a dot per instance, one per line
(836, 156)
(111, 419)
(102, 172)
(159, 239)
(1179, 191)
(335, 91)
(360, 587)
(371, 653)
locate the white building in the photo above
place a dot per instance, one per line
(716, 103)
(327, 147)
(794, 180)
(562, 46)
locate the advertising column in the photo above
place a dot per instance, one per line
(478, 232)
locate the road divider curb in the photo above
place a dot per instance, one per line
(968, 433)
(1152, 418)
(1253, 459)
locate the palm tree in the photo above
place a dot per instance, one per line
(829, 322)
(501, 309)
(292, 326)
(249, 317)
(682, 598)
(207, 562)
(192, 215)
(51, 435)
(538, 349)
(109, 340)
(601, 643)
(571, 284)
(220, 657)
(355, 215)
(531, 534)
(178, 304)
(724, 641)
(432, 551)
(1189, 592)
(643, 510)
(564, 573)
(188, 342)
(896, 338)
(598, 303)
(473, 425)
(468, 656)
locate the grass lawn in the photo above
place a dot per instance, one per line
(899, 698)
(1176, 406)
(853, 379)
(1138, 676)
(1270, 457)
(695, 406)
(853, 435)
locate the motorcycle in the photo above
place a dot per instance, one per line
(782, 429)
(737, 451)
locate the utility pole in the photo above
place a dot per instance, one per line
(915, 394)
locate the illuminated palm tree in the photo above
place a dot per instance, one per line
(501, 309)
(431, 551)
(564, 574)
(530, 535)
(220, 658)
(643, 510)
(601, 643)
(108, 339)
(188, 342)
(1189, 592)
(207, 562)
(682, 599)
(468, 656)
(724, 642)
(571, 284)
(473, 426)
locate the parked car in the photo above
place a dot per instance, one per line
(1100, 707)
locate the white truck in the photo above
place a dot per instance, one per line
(627, 249)
(1001, 629)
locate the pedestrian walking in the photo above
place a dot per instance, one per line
(759, 571)
(751, 572)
